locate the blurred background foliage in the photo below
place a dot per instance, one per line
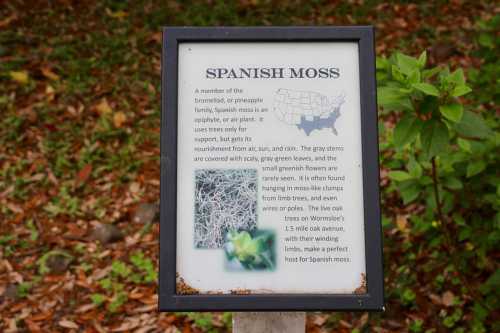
(79, 161)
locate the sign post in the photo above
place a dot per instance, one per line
(269, 170)
(269, 322)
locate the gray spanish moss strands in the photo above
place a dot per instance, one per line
(225, 199)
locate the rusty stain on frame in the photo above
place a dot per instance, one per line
(182, 288)
(362, 288)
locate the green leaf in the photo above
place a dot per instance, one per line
(120, 268)
(414, 76)
(382, 63)
(24, 288)
(97, 299)
(480, 314)
(492, 283)
(106, 283)
(409, 193)
(457, 77)
(399, 176)
(460, 90)
(434, 137)
(414, 168)
(426, 88)
(459, 219)
(478, 147)
(407, 130)
(386, 95)
(397, 74)
(118, 300)
(475, 167)
(428, 73)
(422, 59)
(393, 98)
(464, 145)
(406, 64)
(486, 40)
(472, 125)
(453, 183)
(452, 112)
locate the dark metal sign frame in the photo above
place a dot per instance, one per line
(168, 299)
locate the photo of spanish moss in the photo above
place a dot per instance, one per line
(225, 200)
(248, 251)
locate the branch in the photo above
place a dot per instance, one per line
(449, 242)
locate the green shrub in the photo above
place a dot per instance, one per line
(442, 156)
(486, 78)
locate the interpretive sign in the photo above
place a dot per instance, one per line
(269, 170)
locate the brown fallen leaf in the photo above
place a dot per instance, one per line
(394, 324)
(435, 299)
(85, 308)
(345, 324)
(145, 308)
(37, 177)
(7, 191)
(49, 74)
(21, 77)
(83, 175)
(68, 324)
(98, 327)
(6, 21)
(448, 298)
(14, 208)
(156, 37)
(11, 325)
(50, 92)
(118, 14)
(103, 107)
(319, 320)
(135, 294)
(41, 316)
(402, 223)
(32, 326)
(171, 329)
(145, 329)
(186, 328)
(127, 325)
(52, 177)
(119, 118)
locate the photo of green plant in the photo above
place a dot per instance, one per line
(225, 199)
(250, 250)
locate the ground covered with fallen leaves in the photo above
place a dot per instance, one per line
(79, 159)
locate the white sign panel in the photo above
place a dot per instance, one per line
(269, 168)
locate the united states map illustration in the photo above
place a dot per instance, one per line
(307, 110)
